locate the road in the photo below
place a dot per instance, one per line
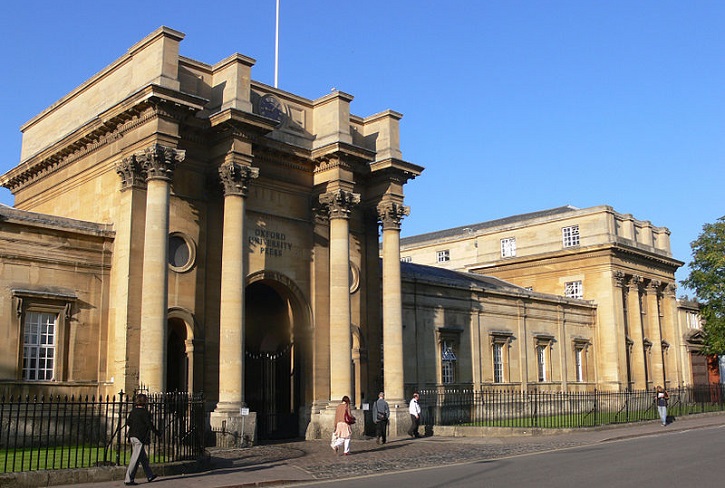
(668, 459)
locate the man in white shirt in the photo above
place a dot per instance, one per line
(414, 410)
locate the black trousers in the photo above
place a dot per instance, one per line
(381, 429)
(414, 422)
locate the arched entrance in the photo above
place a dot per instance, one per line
(273, 385)
(177, 363)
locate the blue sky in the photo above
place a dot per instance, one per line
(511, 106)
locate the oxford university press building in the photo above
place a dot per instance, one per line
(179, 226)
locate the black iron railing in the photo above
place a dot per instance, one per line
(537, 409)
(73, 432)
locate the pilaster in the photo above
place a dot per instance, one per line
(637, 364)
(654, 331)
(391, 214)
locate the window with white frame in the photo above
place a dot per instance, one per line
(443, 256)
(448, 363)
(693, 320)
(570, 236)
(39, 346)
(543, 346)
(580, 360)
(579, 364)
(498, 363)
(500, 341)
(406, 259)
(542, 363)
(573, 289)
(508, 247)
(42, 320)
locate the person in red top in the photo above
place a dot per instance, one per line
(343, 432)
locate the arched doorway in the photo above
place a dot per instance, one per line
(177, 363)
(272, 382)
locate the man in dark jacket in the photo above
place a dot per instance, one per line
(140, 425)
(381, 415)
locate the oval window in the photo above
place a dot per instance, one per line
(181, 252)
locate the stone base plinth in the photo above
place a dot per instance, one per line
(232, 429)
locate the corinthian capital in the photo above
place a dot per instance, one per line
(131, 173)
(159, 161)
(619, 278)
(236, 178)
(391, 214)
(338, 204)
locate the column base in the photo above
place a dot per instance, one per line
(322, 422)
(231, 428)
(399, 421)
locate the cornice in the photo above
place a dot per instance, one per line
(339, 154)
(396, 170)
(113, 124)
(612, 248)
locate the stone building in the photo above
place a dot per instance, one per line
(224, 238)
(479, 331)
(623, 265)
(180, 226)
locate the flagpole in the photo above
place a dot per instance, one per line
(276, 47)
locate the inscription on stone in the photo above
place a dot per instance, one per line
(269, 242)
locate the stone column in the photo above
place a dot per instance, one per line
(654, 332)
(390, 215)
(159, 163)
(623, 334)
(339, 205)
(235, 180)
(673, 356)
(634, 311)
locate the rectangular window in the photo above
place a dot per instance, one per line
(542, 362)
(448, 363)
(498, 363)
(406, 259)
(693, 320)
(39, 340)
(508, 247)
(574, 289)
(443, 256)
(570, 236)
(579, 360)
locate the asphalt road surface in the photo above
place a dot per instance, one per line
(691, 458)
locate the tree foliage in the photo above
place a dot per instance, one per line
(707, 279)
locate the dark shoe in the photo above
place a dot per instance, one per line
(153, 477)
(130, 483)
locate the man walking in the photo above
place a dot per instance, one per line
(414, 410)
(381, 414)
(140, 426)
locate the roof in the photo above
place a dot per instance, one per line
(10, 214)
(456, 231)
(466, 280)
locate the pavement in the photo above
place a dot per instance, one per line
(287, 463)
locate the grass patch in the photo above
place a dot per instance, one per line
(65, 457)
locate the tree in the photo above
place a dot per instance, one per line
(707, 279)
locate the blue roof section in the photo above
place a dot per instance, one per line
(473, 228)
(412, 271)
(472, 281)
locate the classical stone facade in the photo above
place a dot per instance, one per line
(232, 216)
(179, 226)
(623, 265)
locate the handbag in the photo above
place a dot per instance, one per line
(382, 416)
(349, 419)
